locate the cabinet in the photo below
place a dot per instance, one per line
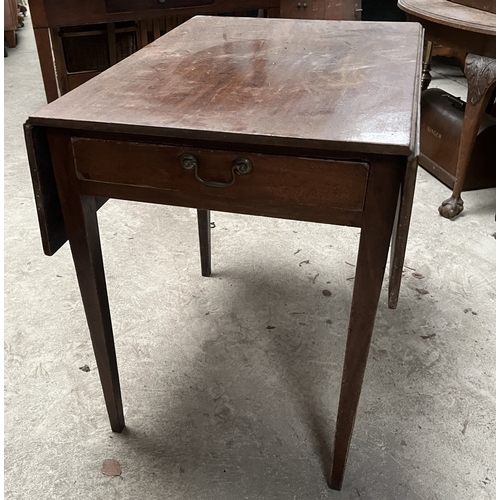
(348, 10)
(10, 22)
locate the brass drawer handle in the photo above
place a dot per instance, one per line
(240, 166)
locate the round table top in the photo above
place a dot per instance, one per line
(451, 14)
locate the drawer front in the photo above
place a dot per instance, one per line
(117, 6)
(302, 9)
(273, 179)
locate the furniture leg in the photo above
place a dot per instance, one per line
(481, 77)
(110, 32)
(205, 241)
(376, 230)
(80, 217)
(426, 65)
(44, 50)
(142, 37)
(10, 38)
(401, 230)
(59, 61)
(156, 28)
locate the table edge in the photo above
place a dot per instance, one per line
(449, 21)
(255, 140)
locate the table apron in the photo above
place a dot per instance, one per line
(180, 199)
(318, 190)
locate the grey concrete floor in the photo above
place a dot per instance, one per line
(218, 404)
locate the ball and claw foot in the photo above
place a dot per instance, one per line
(451, 207)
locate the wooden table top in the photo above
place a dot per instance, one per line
(451, 14)
(319, 84)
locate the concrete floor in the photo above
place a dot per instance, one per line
(219, 404)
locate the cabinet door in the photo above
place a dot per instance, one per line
(347, 10)
(303, 9)
(321, 9)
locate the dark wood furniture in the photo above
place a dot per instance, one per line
(147, 20)
(486, 5)
(271, 117)
(348, 10)
(76, 40)
(441, 124)
(471, 31)
(10, 22)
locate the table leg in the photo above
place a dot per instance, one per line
(80, 219)
(205, 241)
(481, 77)
(426, 69)
(44, 50)
(10, 38)
(376, 230)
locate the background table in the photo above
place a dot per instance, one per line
(76, 40)
(473, 32)
(271, 117)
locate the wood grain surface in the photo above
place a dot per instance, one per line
(451, 14)
(288, 180)
(321, 84)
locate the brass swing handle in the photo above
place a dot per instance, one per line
(240, 166)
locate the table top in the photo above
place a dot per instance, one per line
(451, 14)
(341, 85)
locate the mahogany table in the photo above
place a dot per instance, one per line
(472, 31)
(281, 118)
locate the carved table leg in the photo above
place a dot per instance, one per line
(205, 243)
(426, 63)
(480, 73)
(378, 218)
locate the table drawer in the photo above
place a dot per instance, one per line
(273, 179)
(117, 6)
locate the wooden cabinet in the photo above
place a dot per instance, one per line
(113, 6)
(10, 22)
(303, 9)
(347, 10)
